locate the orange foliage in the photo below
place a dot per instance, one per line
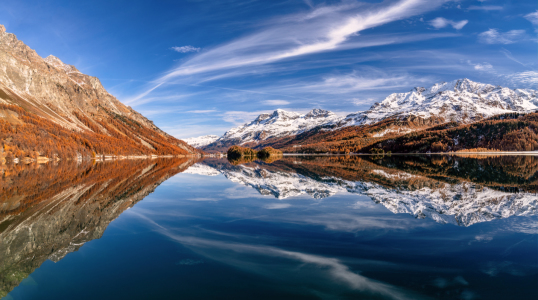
(121, 136)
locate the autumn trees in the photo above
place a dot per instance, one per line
(28, 135)
(511, 132)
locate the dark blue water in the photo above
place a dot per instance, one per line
(286, 231)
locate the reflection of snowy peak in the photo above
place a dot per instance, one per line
(461, 204)
(278, 124)
(281, 185)
(201, 141)
(460, 100)
(201, 169)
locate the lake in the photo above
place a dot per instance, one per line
(315, 227)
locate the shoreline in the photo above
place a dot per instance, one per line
(527, 153)
(98, 158)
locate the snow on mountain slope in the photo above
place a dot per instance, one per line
(278, 124)
(461, 100)
(198, 142)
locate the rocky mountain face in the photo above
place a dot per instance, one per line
(461, 101)
(49, 211)
(59, 93)
(453, 201)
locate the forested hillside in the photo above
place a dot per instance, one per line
(509, 132)
(347, 139)
(24, 134)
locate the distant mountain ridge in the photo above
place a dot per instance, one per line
(462, 101)
(198, 142)
(280, 123)
(42, 96)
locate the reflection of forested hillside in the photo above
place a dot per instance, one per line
(509, 173)
(448, 189)
(47, 211)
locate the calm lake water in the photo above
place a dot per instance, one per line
(359, 227)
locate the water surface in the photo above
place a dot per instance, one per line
(345, 227)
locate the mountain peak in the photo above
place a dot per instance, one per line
(58, 64)
(60, 95)
(318, 113)
(461, 100)
(284, 114)
(279, 123)
(198, 142)
(2, 28)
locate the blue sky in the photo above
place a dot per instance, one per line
(203, 66)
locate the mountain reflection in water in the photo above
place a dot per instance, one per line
(311, 227)
(50, 210)
(461, 190)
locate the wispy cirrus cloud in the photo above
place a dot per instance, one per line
(509, 55)
(528, 78)
(202, 111)
(276, 102)
(485, 7)
(359, 80)
(242, 117)
(185, 49)
(442, 23)
(533, 18)
(325, 28)
(493, 36)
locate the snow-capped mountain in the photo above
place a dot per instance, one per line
(278, 124)
(461, 100)
(198, 142)
(461, 204)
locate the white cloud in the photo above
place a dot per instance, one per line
(185, 49)
(493, 36)
(533, 18)
(483, 67)
(276, 102)
(442, 23)
(485, 7)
